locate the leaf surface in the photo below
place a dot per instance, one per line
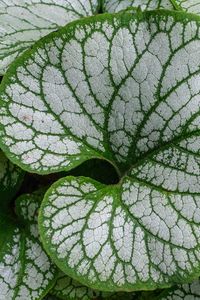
(114, 6)
(192, 6)
(105, 87)
(189, 291)
(24, 22)
(101, 236)
(25, 270)
(67, 288)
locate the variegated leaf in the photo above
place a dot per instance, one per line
(117, 5)
(22, 22)
(124, 88)
(26, 272)
(67, 288)
(192, 6)
(188, 291)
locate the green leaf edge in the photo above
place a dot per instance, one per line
(27, 53)
(24, 231)
(76, 285)
(149, 286)
(13, 223)
(96, 11)
(44, 241)
(68, 30)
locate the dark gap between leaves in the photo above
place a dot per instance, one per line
(97, 169)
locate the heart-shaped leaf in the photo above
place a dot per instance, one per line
(25, 270)
(24, 22)
(10, 180)
(123, 88)
(67, 288)
(117, 5)
(182, 292)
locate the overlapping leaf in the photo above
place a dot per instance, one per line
(117, 5)
(24, 22)
(67, 288)
(183, 292)
(107, 88)
(192, 6)
(25, 270)
(10, 180)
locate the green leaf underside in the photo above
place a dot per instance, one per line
(67, 288)
(106, 87)
(25, 270)
(183, 292)
(118, 5)
(10, 179)
(24, 22)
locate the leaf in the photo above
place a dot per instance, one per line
(124, 88)
(189, 291)
(192, 6)
(25, 270)
(67, 288)
(118, 5)
(24, 22)
(10, 180)
(93, 234)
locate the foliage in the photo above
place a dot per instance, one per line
(104, 96)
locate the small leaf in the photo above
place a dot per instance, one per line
(24, 22)
(67, 288)
(188, 291)
(10, 180)
(25, 270)
(124, 88)
(118, 5)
